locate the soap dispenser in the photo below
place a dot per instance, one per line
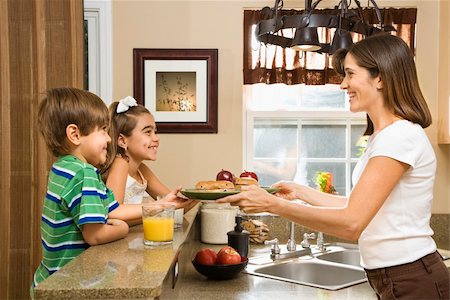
(238, 238)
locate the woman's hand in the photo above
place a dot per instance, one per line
(252, 199)
(286, 190)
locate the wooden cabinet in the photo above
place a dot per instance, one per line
(41, 47)
(444, 76)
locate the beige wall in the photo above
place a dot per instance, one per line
(184, 159)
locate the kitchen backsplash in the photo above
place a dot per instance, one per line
(279, 228)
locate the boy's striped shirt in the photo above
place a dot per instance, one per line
(76, 195)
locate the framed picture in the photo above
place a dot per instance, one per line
(179, 87)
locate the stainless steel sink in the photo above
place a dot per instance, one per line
(336, 269)
(347, 256)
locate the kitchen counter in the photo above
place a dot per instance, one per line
(192, 285)
(125, 269)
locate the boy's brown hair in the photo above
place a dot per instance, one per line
(64, 106)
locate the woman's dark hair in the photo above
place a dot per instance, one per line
(390, 57)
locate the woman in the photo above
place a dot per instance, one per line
(388, 211)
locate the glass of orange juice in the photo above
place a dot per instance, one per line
(158, 223)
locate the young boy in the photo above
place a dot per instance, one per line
(74, 123)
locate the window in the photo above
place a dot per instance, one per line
(293, 132)
(97, 33)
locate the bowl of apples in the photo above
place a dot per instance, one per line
(225, 264)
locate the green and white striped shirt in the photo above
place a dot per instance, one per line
(76, 195)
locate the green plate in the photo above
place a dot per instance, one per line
(269, 189)
(205, 195)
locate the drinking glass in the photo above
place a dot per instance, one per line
(158, 223)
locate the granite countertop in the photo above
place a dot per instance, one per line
(121, 269)
(193, 285)
(126, 269)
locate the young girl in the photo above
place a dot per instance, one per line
(134, 139)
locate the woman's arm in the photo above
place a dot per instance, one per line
(291, 191)
(117, 178)
(378, 180)
(96, 234)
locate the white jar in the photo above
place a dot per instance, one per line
(216, 220)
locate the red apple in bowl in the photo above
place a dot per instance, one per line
(248, 174)
(225, 175)
(228, 256)
(206, 256)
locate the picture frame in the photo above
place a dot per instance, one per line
(179, 87)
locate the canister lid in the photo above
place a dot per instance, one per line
(218, 206)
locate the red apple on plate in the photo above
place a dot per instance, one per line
(225, 175)
(248, 174)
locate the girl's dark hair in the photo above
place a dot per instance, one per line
(120, 123)
(390, 57)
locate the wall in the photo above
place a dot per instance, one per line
(184, 159)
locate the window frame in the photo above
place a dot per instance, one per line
(99, 14)
(302, 117)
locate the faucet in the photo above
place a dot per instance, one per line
(320, 243)
(275, 250)
(291, 246)
(276, 255)
(306, 238)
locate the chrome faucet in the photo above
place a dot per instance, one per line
(275, 250)
(291, 246)
(320, 243)
(306, 238)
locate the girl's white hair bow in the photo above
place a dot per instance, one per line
(125, 104)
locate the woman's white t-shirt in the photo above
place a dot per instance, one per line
(400, 231)
(134, 190)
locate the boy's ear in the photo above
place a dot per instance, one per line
(73, 134)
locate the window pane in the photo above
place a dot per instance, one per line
(270, 172)
(357, 132)
(322, 97)
(323, 141)
(274, 141)
(338, 170)
(272, 97)
(351, 173)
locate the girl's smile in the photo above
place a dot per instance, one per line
(144, 142)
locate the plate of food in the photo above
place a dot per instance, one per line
(213, 190)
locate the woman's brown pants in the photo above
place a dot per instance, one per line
(425, 278)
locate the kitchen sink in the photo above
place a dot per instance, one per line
(347, 256)
(336, 269)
